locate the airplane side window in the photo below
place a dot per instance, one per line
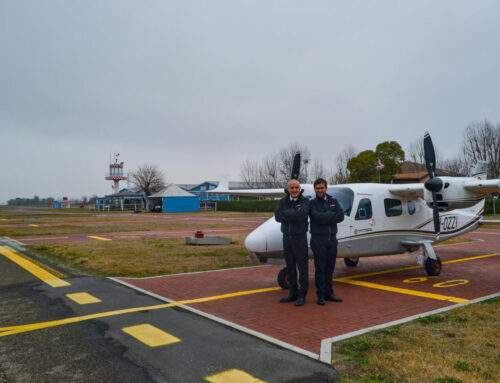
(364, 210)
(345, 197)
(412, 208)
(393, 207)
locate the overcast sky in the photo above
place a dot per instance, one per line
(197, 87)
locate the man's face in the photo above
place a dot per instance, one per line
(294, 189)
(320, 190)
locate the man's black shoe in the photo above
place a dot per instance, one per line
(321, 301)
(333, 298)
(290, 298)
(300, 301)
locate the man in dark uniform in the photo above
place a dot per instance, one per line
(292, 212)
(325, 213)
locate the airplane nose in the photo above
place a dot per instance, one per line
(255, 242)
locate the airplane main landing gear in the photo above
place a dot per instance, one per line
(283, 281)
(351, 262)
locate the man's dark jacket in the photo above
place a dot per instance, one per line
(293, 215)
(325, 214)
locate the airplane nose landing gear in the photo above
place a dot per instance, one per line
(433, 266)
(432, 262)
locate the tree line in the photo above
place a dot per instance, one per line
(480, 142)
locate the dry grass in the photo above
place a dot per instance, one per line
(458, 346)
(146, 257)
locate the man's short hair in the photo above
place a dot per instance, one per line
(320, 181)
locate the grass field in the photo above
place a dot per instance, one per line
(145, 257)
(460, 346)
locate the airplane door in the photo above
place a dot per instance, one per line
(363, 222)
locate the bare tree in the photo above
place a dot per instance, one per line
(275, 169)
(456, 165)
(481, 142)
(250, 173)
(341, 174)
(415, 152)
(149, 178)
(285, 158)
(317, 170)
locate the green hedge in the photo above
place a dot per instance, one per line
(257, 206)
(488, 206)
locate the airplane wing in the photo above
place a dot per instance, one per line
(223, 188)
(407, 190)
(483, 186)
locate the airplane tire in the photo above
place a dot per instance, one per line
(283, 279)
(433, 266)
(351, 262)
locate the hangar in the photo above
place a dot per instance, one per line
(173, 199)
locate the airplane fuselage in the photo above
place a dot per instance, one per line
(376, 222)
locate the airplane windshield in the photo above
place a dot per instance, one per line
(345, 196)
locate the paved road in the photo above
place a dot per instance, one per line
(96, 348)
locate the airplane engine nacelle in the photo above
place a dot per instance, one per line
(452, 194)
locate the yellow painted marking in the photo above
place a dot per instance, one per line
(3, 219)
(83, 298)
(42, 238)
(99, 238)
(233, 376)
(415, 280)
(5, 331)
(403, 291)
(455, 282)
(37, 271)
(150, 335)
(33, 225)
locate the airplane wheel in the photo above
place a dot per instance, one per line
(351, 262)
(283, 279)
(433, 266)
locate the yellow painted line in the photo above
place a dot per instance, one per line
(42, 238)
(403, 291)
(33, 225)
(37, 271)
(3, 219)
(99, 238)
(233, 376)
(83, 298)
(415, 267)
(150, 335)
(11, 330)
(471, 258)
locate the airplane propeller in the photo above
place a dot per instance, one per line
(433, 184)
(296, 167)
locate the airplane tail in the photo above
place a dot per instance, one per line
(481, 170)
(223, 184)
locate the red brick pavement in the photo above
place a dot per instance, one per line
(363, 307)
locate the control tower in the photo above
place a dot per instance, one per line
(116, 174)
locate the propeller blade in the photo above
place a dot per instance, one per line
(430, 156)
(437, 223)
(296, 167)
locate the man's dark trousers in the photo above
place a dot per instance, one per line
(325, 255)
(296, 256)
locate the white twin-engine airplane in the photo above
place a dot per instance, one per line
(382, 219)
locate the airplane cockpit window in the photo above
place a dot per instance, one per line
(412, 208)
(345, 196)
(393, 207)
(364, 210)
